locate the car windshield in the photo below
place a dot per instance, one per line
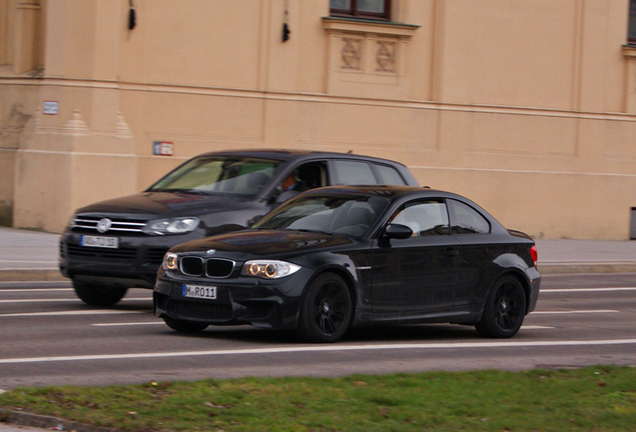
(351, 216)
(218, 174)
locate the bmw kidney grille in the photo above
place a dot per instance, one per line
(214, 268)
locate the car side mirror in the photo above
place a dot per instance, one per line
(254, 220)
(398, 231)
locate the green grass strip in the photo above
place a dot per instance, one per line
(600, 398)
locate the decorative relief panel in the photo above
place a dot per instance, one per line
(385, 56)
(351, 53)
(367, 59)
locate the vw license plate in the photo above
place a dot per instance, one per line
(199, 291)
(101, 242)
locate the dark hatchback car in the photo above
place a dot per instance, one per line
(120, 243)
(338, 257)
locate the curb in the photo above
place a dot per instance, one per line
(31, 275)
(47, 422)
(584, 268)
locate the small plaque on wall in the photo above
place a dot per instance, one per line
(51, 107)
(162, 148)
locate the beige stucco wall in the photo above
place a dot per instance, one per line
(525, 106)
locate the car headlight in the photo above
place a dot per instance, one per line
(269, 269)
(170, 261)
(171, 226)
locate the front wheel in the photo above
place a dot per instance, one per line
(504, 310)
(326, 310)
(97, 294)
(184, 326)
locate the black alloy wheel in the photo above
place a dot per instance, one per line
(98, 295)
(184, 326)
(505, 309)
(326, 310)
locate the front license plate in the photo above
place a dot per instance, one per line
(198, 291)
(100, 242)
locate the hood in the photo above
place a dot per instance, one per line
(165, 204)
(263, 243)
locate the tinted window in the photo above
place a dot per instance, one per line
(306, 177)
(353, 173)
(466, 220)
(425, 218)
(389, 176)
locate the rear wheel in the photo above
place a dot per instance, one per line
(326, 310)
(97, 294)
(184, 326)
(505, 309)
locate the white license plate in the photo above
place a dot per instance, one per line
(198, 291)
(100, 242)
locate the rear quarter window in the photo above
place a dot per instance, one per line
(466, 220)
(389, 175)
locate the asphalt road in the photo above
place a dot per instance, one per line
(48, 337)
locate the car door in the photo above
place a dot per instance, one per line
(417, 274)
(476, 253)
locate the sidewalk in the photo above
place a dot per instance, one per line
(33, 256)
(29, 255)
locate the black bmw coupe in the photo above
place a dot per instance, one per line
(338, 257)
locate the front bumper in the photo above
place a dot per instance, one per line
(242, 300)
(134, 263)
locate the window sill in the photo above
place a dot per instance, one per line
(380, 28)
(629, 50)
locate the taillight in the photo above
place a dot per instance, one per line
(534, 255)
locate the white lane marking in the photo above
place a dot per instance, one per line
(65, 313)
(66, 300)
(561, 290)
(573, 312)
(535, 327)
(322, 348)
(25, 290)
(128, 324)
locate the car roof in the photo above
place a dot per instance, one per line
(381, 190)
(287, 155)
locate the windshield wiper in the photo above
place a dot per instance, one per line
(313, 231)
(183, 190)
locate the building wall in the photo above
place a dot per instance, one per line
(525, 106)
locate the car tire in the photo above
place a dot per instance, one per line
(97, 294)
(504, 310)
(185, 326)
(326, 310)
